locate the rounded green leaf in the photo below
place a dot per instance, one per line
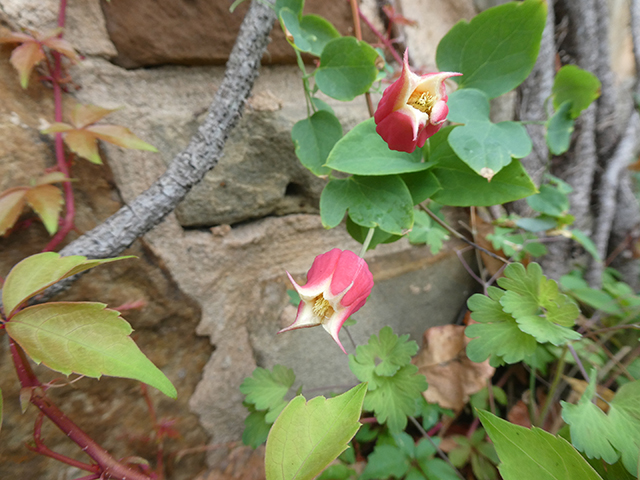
(572, 84)
(497, 50)
(310, 33)
(347, 68)
(314, 137)
(383, 202)
(559, 129)
(38, 272)
(84, 338)
(307, 436)
(488, 147)
(462, 187)
(363, 152)
(359, 234)
(468, 105)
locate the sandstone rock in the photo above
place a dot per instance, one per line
(85, 27)
(197, 32)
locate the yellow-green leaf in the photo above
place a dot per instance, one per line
(46, 201)
(11, 205)
(121, 136)
(84, 338)
(38, 272)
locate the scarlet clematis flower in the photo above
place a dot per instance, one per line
(412, 109)
(338, 285)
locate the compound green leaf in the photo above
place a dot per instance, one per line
(488, 147)
(363, 152)
(497, 49)
(307, 436)
(383, 202)
(36, 273)
(256, 428)
(84, 338)
(572, 84)
(383, 356)
(310, 33)
(425, 230)
(497, 335)
(421, 185)
(462, 187)
(266, 389)
(559, 129)
(395, 397)
(611, 435)
(347, 68)
(534, 454)
(386, 461)
(314, 137)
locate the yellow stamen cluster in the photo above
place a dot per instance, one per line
(422, 101)
(322, 308)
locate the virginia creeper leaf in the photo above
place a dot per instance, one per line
(497, 49)
(46, 201)
(534, 454)
(307, 436)
(38, 272)
(84, 338)
(11, 206)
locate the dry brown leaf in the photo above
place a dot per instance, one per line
(452, 377)
(579, 386)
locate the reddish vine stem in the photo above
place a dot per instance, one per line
(355, 12)
(69, 200)
(108, 465)
(385, 40)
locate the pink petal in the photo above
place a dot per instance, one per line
(399, 130)
(427, 132)
(439, 113)
(396, 95)
(323, 267)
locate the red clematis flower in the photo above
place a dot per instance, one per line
(338, 285)
(412, 109)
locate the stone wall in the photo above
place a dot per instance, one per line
(211, 275)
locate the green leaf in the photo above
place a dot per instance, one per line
(394, 397)
(550, 201)
(383, 202)
(421, 185)
(385, 461)
(322, 105)
(468, 105)
(307, 436)
(425, 230)
(559, 129)
(265, 389)
(572, 84)
(256, 428)
(611, 435)
(537, 305)
(337, 472)
(497, 50)
(437, 468)
(310, 33)
(36, 273)
(534, 454)
(497, 335)
(462, 187)
(295, 6)
(84, 338)
(488, 147)
(584, 240)
(314, 137)
(359, 234)
(537, 224)
(383, 356)
(347, 68)
(363, 152)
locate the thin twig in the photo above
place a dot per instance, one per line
(458, 235)
(441, 454)
(355, 12)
